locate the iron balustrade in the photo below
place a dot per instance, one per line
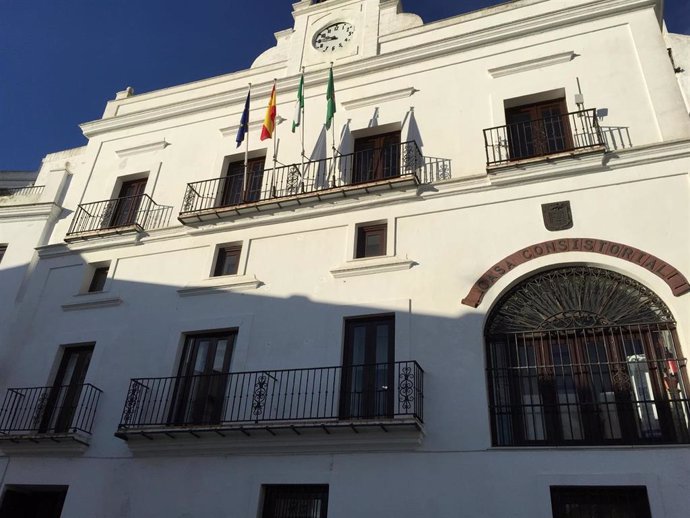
(49, 410)
(138, 211)
(31, 190)
(404, 160)
(543, 137)
(361, 392)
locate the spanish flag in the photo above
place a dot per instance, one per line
(270, 119)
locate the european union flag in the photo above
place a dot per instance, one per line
(244, 122)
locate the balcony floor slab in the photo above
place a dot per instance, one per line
(272, 436)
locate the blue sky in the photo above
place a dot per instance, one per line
(61, 60)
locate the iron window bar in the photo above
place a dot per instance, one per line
(568, 132)
(370, 166)
(590, 386)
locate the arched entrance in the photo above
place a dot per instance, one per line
(582, 355)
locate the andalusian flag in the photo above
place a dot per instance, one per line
(330, 98)
(270, 119)
(244, 122)
(299, 105)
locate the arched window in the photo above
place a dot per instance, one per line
(582, 355)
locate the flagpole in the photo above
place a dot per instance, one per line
(333, 137)
(302, 123)
(246, 156)
(275, 131)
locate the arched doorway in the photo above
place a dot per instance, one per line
(581, 355)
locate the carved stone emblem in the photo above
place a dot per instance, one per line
(557, 216)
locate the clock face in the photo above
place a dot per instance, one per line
(334, 37)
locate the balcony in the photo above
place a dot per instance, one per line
(400, 165)
(329, 401)
(552, 137)
(54, 415)
(20, 195)
(130, 214)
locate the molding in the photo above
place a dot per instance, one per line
(532, 64)
(90, 243)
(528, 173)
(552, 166)
(145, 148)
(322, 437)
(369, 266)
(32, 211)
(379, 98)
(409, 55)
(232, 130)
(222, 284)
(91, 301)
(675, 280)
(64, 444)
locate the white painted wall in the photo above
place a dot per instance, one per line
(453, 232)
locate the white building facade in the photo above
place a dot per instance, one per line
(468, 297)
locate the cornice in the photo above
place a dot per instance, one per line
(396, 59)
(91, 301)
(33, 211)
(360, 102)
(218, 285)
(145, 148)
(532, 64)
(371, 266)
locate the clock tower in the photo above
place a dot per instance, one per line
(335, 30)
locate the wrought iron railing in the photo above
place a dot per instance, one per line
(131, 211)
(363, 167)
(49, 410)
(362, 392)
(543, 137)
(31, 190)
(586, 401)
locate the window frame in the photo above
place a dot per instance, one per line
(59, 491)
(224, 251)
(272, 492)
(3, 251)
(634, 498)
(365, 230)
(99, 277)
(584, 376)
(547, 135)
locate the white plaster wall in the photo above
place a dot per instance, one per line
(453, 232)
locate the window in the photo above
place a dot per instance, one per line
(232, 183)
(367, 387)
(125, 209)
(600, 502)
(199, 393)
(33, 501)
(100, 275)
(538, 129)
(63, 407)
(581, 355)
(3, 249)
(376, 158)
(295, 501)
(371, 240)
(228, 260)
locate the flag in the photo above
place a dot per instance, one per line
(270, 119)
(244, 122)
(299, 105)
(330, 98)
